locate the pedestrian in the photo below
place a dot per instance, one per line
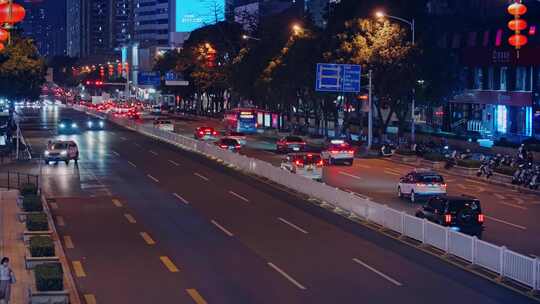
(7, 277)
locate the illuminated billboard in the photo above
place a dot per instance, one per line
(193, 14)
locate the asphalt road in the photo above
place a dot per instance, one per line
(511, 215)
(145, 222)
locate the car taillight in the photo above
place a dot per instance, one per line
(201, 132)
(420, 185)
(298, 163)
(443, 185)
(448, 218)
(320, 163)
(238, 146)
(214, 133)
(334, 151)
(351, 151)
(480, 218)
(223, 146)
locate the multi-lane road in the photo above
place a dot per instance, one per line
(511, 215)
(142, 222)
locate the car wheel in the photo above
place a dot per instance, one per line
(399, 193)
(413, 197)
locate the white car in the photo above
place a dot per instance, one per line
(61, 151)
(419, 184)
(165, 125)
(155, 110)
(239, 136)
(338, 151)
(308, 165)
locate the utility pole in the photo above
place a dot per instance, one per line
(370, 112)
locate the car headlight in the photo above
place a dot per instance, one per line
(90, 123)
(46, 153)
(62, 126)
(63, 153)
(73, 125)
(101, 123)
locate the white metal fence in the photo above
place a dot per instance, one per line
(504, 262)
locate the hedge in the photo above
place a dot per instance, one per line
(469, 163)
(32, 203)
(37, 222)
(28, 189)
(505, 170)
(49, 277)
(41, 246)
(436, 157)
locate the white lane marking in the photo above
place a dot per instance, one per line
(153, 178)
(288, 277)
(292, 225)
(512, 205)
(238, 196)
(363, 166)
(499, 196)
(393, 170)
(153, 152)
(227, 232)
(388, 278)
(201, 176)
(506, 223)
(391, 173)
(115, 153)
(181, 198)
(518, 200)
(174, 163)
(349, 175)
(132, 164)
(461, 186)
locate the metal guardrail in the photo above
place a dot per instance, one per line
(498, 259)
(14, 180)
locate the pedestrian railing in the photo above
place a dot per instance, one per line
(14, 180)
(498, 259)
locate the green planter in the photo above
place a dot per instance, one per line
(434, 157)
(32, 203)
(41, 246)
(28, 189)
(49, 277)
(37, 222)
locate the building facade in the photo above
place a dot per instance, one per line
(46, 25)
(74, 27)
(152, 22)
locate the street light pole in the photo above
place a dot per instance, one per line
(370, 112)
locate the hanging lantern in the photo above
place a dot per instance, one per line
(11, 13)
(517, 8)
(517, 41)
(517, 25)
(2, 47)
(4, 35)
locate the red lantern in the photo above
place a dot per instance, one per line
(11, 13)
(2, 47)
(517, 40)
(517, 9)
(517, 25)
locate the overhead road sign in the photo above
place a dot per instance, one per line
(340, 78)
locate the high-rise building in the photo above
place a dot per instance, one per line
(151, 19)
(45, 23)
(73, 27)
(123, 22)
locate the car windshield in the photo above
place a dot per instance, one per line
(59, 146)
(66, 121)
(431, 179)
(293, 139)
(229, 141)
(458, 205)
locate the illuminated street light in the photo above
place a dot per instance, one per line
(297, 29)
(246, 37)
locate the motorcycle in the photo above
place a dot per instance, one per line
(486, 168)
(387, 150)
(534, 182)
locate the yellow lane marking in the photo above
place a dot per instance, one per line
(60, 221)
(78, 268)
(54, 206)
(169, 264)
(146, 237)
(194, 294)
(90, 299)
(117, 203)
(130, 218)
(69, 242)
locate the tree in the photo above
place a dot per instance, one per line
(62, 70)
(22, 71)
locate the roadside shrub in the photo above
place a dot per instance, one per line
(49, 277)
(28, 189)
(436, 157)
(41, 246)
(405, 151)
(32, 203)
(469, 163)
(505, 170)
(37, 222)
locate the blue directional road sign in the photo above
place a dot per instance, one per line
(343, 78)
(149, 78)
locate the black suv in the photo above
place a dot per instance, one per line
(461, 213)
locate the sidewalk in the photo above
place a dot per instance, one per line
(12, 246)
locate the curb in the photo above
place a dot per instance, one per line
(74, 297)
(484, 180)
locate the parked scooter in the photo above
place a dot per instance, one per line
(387, 150)
(486, 168)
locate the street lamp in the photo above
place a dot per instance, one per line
(411, 23)
(297, 28)
(246, 37)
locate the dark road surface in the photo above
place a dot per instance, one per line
(144, 222)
